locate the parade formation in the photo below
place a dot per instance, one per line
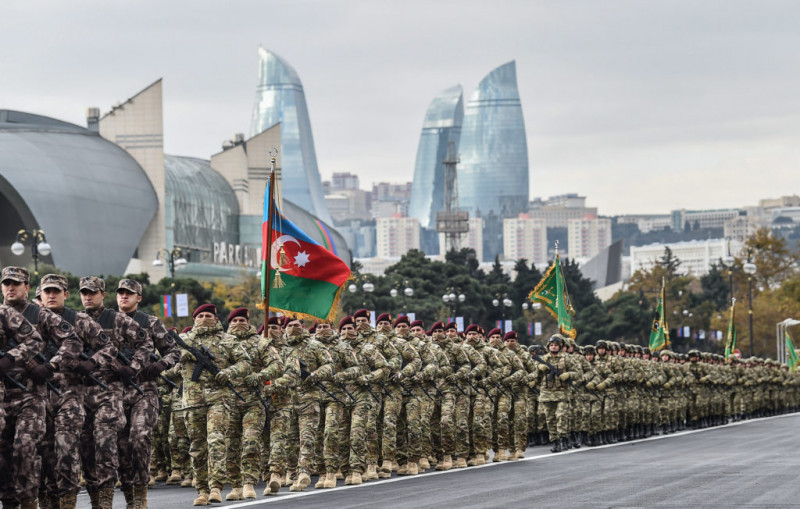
(107, 398)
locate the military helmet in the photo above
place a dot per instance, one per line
(602, 344)
(589, 349)
(556, 338)
(569, 342)
(646, 350)
(693, 353)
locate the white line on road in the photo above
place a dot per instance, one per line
(291, 496)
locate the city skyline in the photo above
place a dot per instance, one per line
(643, 107)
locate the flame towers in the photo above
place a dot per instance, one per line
(280, 98)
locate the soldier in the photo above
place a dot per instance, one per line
(458, 366)
(141, 410)
(105, 417)
(247, 418)
(21, 411)
(65, 413)
(517, 385)
(503, 436)
(208, 398)
(61, 351)
(496, 370)
(307, 359)
(553, 393)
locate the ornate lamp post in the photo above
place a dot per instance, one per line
(39, 245)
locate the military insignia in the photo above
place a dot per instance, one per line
(103, 337)
(141, 334)
(65, 327)
(25, 328)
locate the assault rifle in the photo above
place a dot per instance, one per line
(11, 379)
(305, 373)
(204, 361)
(85, 357)
(154, 358)
(554, 372)
(124, 356)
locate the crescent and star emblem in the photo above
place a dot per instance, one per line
(301, 259)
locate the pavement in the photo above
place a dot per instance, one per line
(749, 464)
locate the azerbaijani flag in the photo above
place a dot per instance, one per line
(307, 279)
(166, 305)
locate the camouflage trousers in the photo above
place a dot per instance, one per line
(610, 412)
(518, 421)
(444, 429)
(373, 421)
(61, 462)
(532, 410)
(279, 424)
(354, 428)
(409, 441)
(207, 426)
(19, 456)
(104, 420)
(427, 406)
(392, 406)
(306, 416)
(500, 426)
(330, 460)
(245, 424)
(556, 413)
(482, 410)
(179, 442)
(461, 410)
(136, 438)
(160, 458)
(595, 415)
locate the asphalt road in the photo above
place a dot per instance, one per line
(753, 464)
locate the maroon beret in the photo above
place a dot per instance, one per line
(473, 327)
(510, 335)
(401, 319)
(494, 331)
(347, 320)
(211, 308)
(361, 313)
(451, 325)
(239, 312)
(417, 323)
(384, 317)
(261, 330)
(437, 325)
(313, 328)
(275, 320)
(186, 329)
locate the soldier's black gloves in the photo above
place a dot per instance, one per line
(125, 373)
(85, 367)
(41, 373)
(6, 363)
(152, 371)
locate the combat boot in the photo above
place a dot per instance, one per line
(67, 502)
(512, 456)
(413, 468)
(531, 439)
(403, 470)
(202, 499)
(386, 470)
(274, 484)
(174, 478)
(106, 498)
(248, 491)
(320, 482)
(235, 494)
(94, 499)
(187, 482)
(339, 475)
(473, 461)
(576, 439)
(461, 462)
(330, 481)
(501, 455)
(558, 445)
(46, 501)
(161, 476)
(445, 464)
(303, 480)
(140, 496)
(372, 472)
(520, 455)
(348, 480)
(130, 500)
(287, 480)
(423, 464)
(356, 479)
(215, 495)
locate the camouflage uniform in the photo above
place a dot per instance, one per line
(497, 369)
(178, 435)
(21, 413)
(404, 363)
(457, 367)
(553, 394)
(504, 434)
(412, 448)
(391, 354)
(475, 368)
(207, 403)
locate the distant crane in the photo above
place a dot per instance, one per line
(451, 221)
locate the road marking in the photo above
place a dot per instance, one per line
(285, 497)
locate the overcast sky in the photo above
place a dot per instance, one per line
(643, 106)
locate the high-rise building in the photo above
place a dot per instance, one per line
(525, 237)
(558, 210)
(493, 173)
(696, 256)
(396, 235)
(280, 98)
(442, 126)
(588, 236)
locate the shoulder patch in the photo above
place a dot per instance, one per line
(102, 337)
(64, 326)
(141, 334)
(25, 328)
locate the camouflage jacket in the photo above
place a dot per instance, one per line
(345, 364)
(304, 354)
(370, 360)
(552, 387)
(410, 361)
(96, 343)
(15, 330)
(127, 336)
(262, 358)
(458, 363)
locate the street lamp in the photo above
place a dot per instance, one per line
(366, 287)
(451, 298)
(750, 269)
(174, 260)
(39, 245)
(506, 303)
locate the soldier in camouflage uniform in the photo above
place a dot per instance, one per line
(61, 351)
(208, 400)
(21, 411)
(141, 411)
(373, 369)
(497, 369)
(458, 366)
(502, 432)
(65, 414)
(518, 386)
(247, 418)
(307, 362)
(181, 465)
(431, 415)
(553, 393)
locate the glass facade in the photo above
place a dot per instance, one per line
(280, 98)
(493, 173)
(442, 125)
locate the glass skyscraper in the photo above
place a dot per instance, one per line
(442, 125)
(493, 173)
(280, 98)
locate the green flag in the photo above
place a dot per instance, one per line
(793, 359)
(658, 333)
(552, 293)
(730, 343)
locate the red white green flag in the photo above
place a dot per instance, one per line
(305, 278)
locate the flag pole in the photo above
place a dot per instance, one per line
(268, 257)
